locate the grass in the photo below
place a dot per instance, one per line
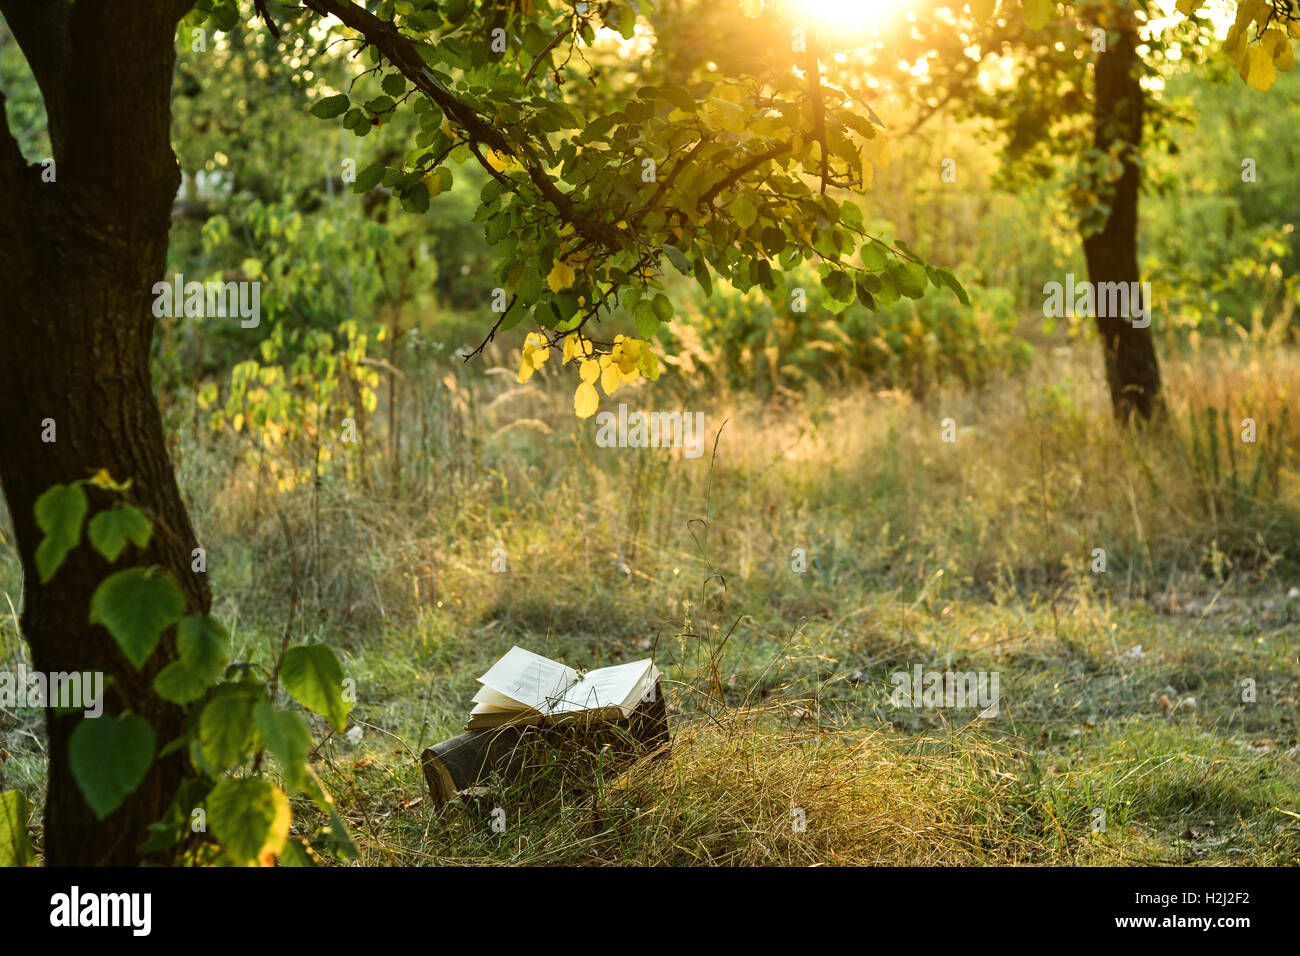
(1147, 714)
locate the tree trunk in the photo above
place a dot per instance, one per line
(78, 260)
(1132, 371)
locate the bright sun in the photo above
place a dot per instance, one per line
(844, 15)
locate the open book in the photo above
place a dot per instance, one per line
(526, 688)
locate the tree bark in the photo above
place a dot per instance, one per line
(1132, 370)
(78, 260)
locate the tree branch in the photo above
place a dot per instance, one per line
(537, 60)
(742, 170)
(260, 6)
(402, 53)
(492, 333)
(666, 183)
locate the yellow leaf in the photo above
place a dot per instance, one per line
(610, 378)
(498, 161)
(536, 351)
(103, 479)
(1188, 7)
(561, 277)
(1279, 48)
(585, 400)
(1284, 59)
(1233, 44)
(728, 93)
(649, 365)
(589, 371)
(1258, 68)
(877, 149)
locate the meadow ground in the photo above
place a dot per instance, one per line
(1147, 713)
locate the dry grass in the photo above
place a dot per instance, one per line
(973, 555)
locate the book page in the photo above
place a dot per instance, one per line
(529, 678)
(486, 695)
(606, 687)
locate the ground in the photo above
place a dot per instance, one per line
(1147, 712)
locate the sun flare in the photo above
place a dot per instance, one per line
(844, 15)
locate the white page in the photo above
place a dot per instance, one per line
(486, 695)
(529, 678)
(606, 687)
(492, 709)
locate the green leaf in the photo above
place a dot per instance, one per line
(851, 214)
(702, 276)
(744, 211)
(679, 98)
(369, 178)
(335, 833)
(297, 852)
(440, 181)
(179, 683)
(136, 606)
(110, 530)
(874, 258)
(951, 282)
(678, 259)
(174, 825)
(393, 84)
(312, 675)
(226, 728)
(250, 818)
(286, 735)
(416, 197)
(647, 323)
(839, 285)
(109, 758)
(201, 643)
(663, 307)
(331, 106)
(774, 241)
(908, 278)
(864, 290)
(356, 121)
(15, 845)
(59, 513)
